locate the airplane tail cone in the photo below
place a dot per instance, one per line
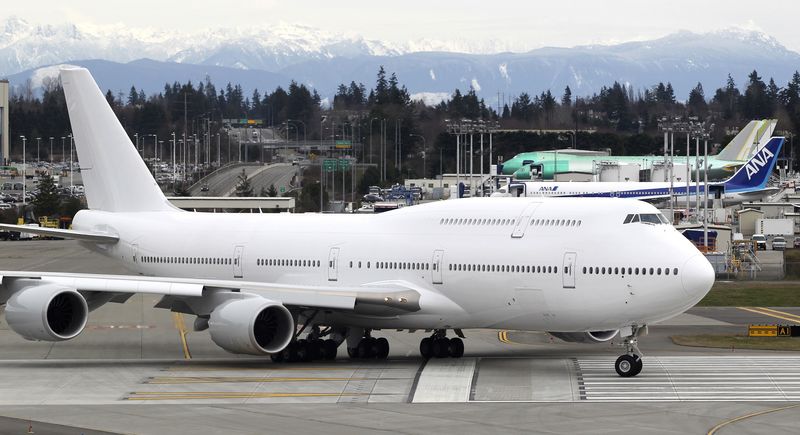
(114, 175)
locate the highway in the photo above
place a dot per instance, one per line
(223, 181)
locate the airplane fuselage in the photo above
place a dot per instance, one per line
(533, 264)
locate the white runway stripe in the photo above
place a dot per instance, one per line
(694, 378)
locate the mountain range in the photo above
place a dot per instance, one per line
(264, 58)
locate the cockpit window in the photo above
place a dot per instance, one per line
(650, 219)
(647, 218)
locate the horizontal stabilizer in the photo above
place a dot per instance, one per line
(85, 236)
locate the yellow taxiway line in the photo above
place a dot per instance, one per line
(235, 379)
(181, 327)
(714, 429)
(769, 312)
(196, 395)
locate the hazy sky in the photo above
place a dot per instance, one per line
(522, 24)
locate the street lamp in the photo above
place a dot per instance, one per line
(304, 127)
(51, 150)
(24, 172)
(62, 149)
(424, 155)
(38, 141)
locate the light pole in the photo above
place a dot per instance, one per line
(304, 127)
(24, 173)
(62, 149)
(136, 138)
(424, 155)
(38, 141)
(155, 151)
(174, 167)
(51, 151)
(71, 164)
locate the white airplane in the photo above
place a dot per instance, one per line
(567, 266)
(749, 183)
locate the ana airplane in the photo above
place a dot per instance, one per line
(747, 184)
(568, 266)
(744, 145)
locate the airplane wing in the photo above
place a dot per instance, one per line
(379, 298)
(86, 236)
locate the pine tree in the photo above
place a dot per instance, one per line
(697, 101)
(566, 99)
(46, 202)
(243, 187)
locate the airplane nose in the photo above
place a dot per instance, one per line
(698, 276)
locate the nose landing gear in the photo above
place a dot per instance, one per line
(630, 364)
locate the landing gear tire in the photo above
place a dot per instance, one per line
(276, 357)
(456, 347)
(426, 347)
(381, 347)
(366, 348)
(628, 365)
(329, 349)
(441, 347)
(304, 352)
(315, 349)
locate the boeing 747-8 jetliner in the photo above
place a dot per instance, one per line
(568, 266)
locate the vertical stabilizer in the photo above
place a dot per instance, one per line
(114, 175)
(754, 174)
(741, 146)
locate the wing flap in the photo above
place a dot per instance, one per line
(85, 236)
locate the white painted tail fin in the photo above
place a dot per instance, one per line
(115, 177)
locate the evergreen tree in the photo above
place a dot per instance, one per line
(566, 99)
(697, 101)
(243, 187)
(272, 191)
(755, 101)
(46, 202)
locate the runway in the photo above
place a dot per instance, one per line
(136, 369)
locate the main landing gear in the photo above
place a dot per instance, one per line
(367, 347)
(630, 364)
(439, 346)
(311, 348)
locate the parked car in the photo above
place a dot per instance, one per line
(779, 243)
(797, 242)
(760, 241)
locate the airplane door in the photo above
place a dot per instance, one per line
(333, 264)
(238, 252)
(135, 256)
(568, 271)
(524, 220)
(436, 276)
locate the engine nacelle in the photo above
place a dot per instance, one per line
(49, 312)
(255, 326)
(585, 337)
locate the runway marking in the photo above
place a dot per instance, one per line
(695, 378)
(206, 395)
(181, 327)
(243, 379)
(793, 316)
(714, 429)
(774, 313)
(272, 367)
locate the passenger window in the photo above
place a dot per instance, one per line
(666, 271)
(636, 270)
(675, 271)
(658, 271)
(651, 271)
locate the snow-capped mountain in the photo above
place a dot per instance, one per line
(277, 54)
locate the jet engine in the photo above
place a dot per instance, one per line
(254, 325)
(49, 312)
(585, 337)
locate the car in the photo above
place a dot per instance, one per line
(5, 206)
(204, 188)
(760, 242)
(779, 243)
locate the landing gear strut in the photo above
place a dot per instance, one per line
(439, 346)
(630, 364)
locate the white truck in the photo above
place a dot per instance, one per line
(775, 227)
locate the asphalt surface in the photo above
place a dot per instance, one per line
(223, 182)
(129, 372)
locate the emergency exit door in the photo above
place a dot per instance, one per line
(333, 264)
(238, 252)
(568, 271)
